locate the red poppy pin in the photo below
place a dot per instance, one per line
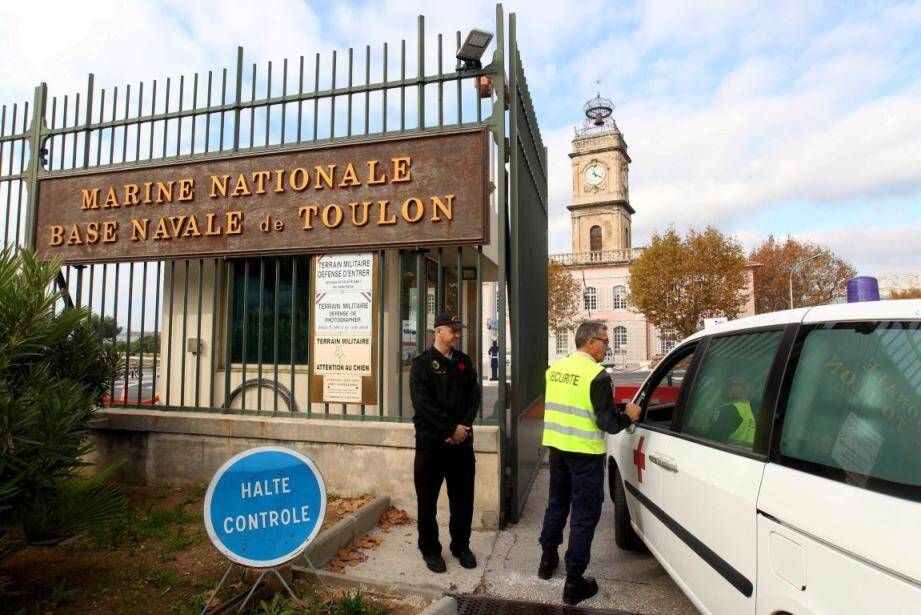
(461, 366)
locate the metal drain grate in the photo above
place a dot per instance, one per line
(489, 605)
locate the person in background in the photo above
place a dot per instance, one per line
(494, 360)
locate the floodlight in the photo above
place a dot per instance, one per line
(473, 48)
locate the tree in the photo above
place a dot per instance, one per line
(564, 297)
(907, 293)
(108, 329)
(147, 344)
(54, 368)
(815, 282)
(677, 282)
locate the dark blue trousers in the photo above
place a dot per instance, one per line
(577, 483)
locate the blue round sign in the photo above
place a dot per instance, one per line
(264, 506)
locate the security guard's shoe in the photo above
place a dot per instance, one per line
(578, 588)
(548, 563)
(435, 563)
(466, 558)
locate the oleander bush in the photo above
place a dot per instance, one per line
(54, 370)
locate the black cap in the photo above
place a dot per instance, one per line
(448, 319)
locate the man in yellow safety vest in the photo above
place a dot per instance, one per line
(578, 409)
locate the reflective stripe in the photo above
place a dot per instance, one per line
(572, 431)
(564, 409)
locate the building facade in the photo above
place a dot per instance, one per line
(602, 244)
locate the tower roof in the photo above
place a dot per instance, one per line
(599, 117)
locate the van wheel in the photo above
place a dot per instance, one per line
(624, 535)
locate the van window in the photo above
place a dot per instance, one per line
(854, 406)
(726, 403)
(660, 394)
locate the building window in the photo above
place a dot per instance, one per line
(665, 341)
(619, 298)
(619, 340)
(590, 298)
(594, 239)
(562, 341)
(254, 279)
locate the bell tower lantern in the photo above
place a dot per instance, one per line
(600, 209)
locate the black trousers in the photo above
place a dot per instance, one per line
(577, 483)
(434, 465)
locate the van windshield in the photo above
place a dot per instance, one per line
(854, 405)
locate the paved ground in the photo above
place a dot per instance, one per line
(509, 559)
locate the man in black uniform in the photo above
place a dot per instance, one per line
(446, 395)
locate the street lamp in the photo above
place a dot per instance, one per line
(471, 51)
(793, 270)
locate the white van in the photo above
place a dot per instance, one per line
(777, 466)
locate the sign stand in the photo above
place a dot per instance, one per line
(262, 510)
(252, 589)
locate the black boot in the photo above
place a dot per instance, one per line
(548, 563)
(578, 588)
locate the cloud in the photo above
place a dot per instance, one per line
(874, 250)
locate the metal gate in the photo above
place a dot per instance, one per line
(527, 280)
(247, 316)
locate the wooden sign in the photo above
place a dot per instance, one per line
(423, 190)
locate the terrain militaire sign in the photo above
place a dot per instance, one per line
(264, 506)
(427, 189)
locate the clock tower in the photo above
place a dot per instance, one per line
(600, 209)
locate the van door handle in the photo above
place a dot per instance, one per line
(664, 461)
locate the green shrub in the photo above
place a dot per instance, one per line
(54, 368)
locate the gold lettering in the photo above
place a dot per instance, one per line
(139, 228)
(147, 186)
(308, 212)
(111, 199)
(279, 180)
(212, 230)
(108, 231)
(420, 209)
(165, 192)
(90, 199)
(334, 219)
(131, 194)
(92, 232)
(219, 184)
(328, 178)
(260, 178)
(296, 184)
(191, 227)
(176, 224)
(234, 222)
(350, 178)
(57, 235)
(401, 170)
(382, 218)
(241, 188)
(363, 218)
(161, 232)
(74, 238)
(446, 209)
(372, 168)
(186, 190)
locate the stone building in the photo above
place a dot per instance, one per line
(602, 243)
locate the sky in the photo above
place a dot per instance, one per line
(782, 118)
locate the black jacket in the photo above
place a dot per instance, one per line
(445, 393)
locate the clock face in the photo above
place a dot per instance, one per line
(594, 174)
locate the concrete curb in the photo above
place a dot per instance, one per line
(445, 606)
(346, 531)
(399, 590)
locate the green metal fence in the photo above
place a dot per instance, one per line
(250, 316)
